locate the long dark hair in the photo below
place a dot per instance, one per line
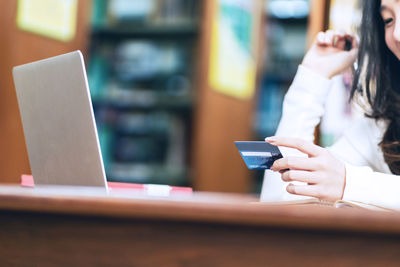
(378, 79)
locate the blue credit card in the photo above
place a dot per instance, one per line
(258, 155)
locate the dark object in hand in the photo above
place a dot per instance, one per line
(348, 45)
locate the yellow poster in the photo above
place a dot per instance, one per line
(51, 18)
(233, 63)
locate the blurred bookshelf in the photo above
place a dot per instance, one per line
(285, 41)
(285, 38)
(119, 32)
(141, 74)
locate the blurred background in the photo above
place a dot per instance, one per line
(174, 82)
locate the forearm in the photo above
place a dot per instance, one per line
(303, 105)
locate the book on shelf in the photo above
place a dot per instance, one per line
(158, 12)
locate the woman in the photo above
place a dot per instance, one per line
(365, 163)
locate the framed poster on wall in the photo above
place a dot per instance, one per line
(233, 62)
(55, 19)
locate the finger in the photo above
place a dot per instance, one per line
(320, 38)
(295, 163)
(340, 41)
(283, 171)
(299, 144)
(354, 45)
(356, 41)
(353, 39)
(337, 36)
(300, 176)
(329, 37)
(303, 190)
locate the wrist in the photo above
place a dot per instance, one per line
(344, 181)
(318, 70)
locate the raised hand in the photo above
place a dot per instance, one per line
(324, 175)
(328, 55)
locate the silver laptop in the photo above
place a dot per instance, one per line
(58, 121)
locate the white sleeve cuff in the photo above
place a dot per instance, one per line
(364, 185)
(358, 183)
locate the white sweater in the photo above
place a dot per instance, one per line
(368, 178)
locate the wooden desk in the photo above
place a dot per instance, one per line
(66, 228)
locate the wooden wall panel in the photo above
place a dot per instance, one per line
(18, 47)
(219, 121)
(317, 19)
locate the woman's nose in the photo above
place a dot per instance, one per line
(396, 32)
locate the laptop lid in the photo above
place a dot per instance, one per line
(58, 121)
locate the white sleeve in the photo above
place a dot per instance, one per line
(359, 144)
(368, 178)
(304, 104)
(303, 107)
(365, 185)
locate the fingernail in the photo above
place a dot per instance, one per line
(289, 188)
(272, 168)
(270, 139)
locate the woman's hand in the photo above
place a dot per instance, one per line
(324, 174)
(328, 57)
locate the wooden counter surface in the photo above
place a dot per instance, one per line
(85, 226)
